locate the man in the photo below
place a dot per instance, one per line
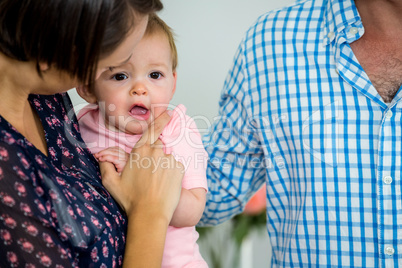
(312, 106)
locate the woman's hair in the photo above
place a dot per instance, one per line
(71, 35)
(156, 24)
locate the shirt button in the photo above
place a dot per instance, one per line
(387, 179)
(388, 114)
(389, 250)
(353, 30)
(330, 35)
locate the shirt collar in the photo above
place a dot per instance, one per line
(339, 18)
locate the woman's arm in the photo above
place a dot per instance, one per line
(149, 196)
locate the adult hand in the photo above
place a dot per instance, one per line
(150, 183)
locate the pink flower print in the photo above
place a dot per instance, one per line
(106, 210)
(48, 240)
(6, 237)
(25, 245)
(53, 214)
(61, 181)
(85, 228)
(103, 265)
(26, 209)
(44, 259)
(94, 192)
(40, 161)
(53, 153)
(39, 191)
(24, 161)
(53, 121)
(90, 208)
(71, 212)
(68, 229)
(54, 195)
(83, 163)
(30, 228)
(8, 221)
(12, 259)
(3, 154)
(72, 134)
(105, 250)
(50, 105)
(96, 222)
(1, 173)
(20, 173)
(7, 199)
(116, 219)
(8, 138)
(87, 196)
(33, 178)
(63, 236)
(94, 254)
(66, 119)
(59, 140)
(37, 104)
(67, 153)
(108, 223)
(20, 189)
(82, 244)
(79, 211)
(64, 254)
(111, 240)
(69, 195)
(114, 261)
(79, 150)
(40, 206)
(45, 222)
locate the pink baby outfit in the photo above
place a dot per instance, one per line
(181, 139)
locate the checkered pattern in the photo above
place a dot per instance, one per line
(299, 113)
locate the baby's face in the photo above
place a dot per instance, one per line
(132, 95)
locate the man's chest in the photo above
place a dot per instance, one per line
(383, 65)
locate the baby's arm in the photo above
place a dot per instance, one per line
(115, 155)
(190, 208)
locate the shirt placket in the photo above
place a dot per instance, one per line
(389, 193)
(388, 189)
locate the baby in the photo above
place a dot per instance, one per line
(123, 102)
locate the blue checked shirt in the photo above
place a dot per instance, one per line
(299, 113)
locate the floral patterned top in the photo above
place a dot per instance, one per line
(54, 211)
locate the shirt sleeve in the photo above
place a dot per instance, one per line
(236, 160)
(183, 140)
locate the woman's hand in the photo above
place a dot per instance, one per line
(148, 190)
(151, 180)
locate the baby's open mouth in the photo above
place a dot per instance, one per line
(140, 112)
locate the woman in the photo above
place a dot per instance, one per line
(54, 210)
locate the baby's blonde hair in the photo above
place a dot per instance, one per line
(157, 24)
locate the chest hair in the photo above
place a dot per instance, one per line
(383, 64)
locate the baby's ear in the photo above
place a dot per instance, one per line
(86, 94)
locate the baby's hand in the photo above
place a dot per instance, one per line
(115, 155)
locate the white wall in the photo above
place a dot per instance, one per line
(208, 33)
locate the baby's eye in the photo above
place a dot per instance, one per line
(119, 76)
(155, 75)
